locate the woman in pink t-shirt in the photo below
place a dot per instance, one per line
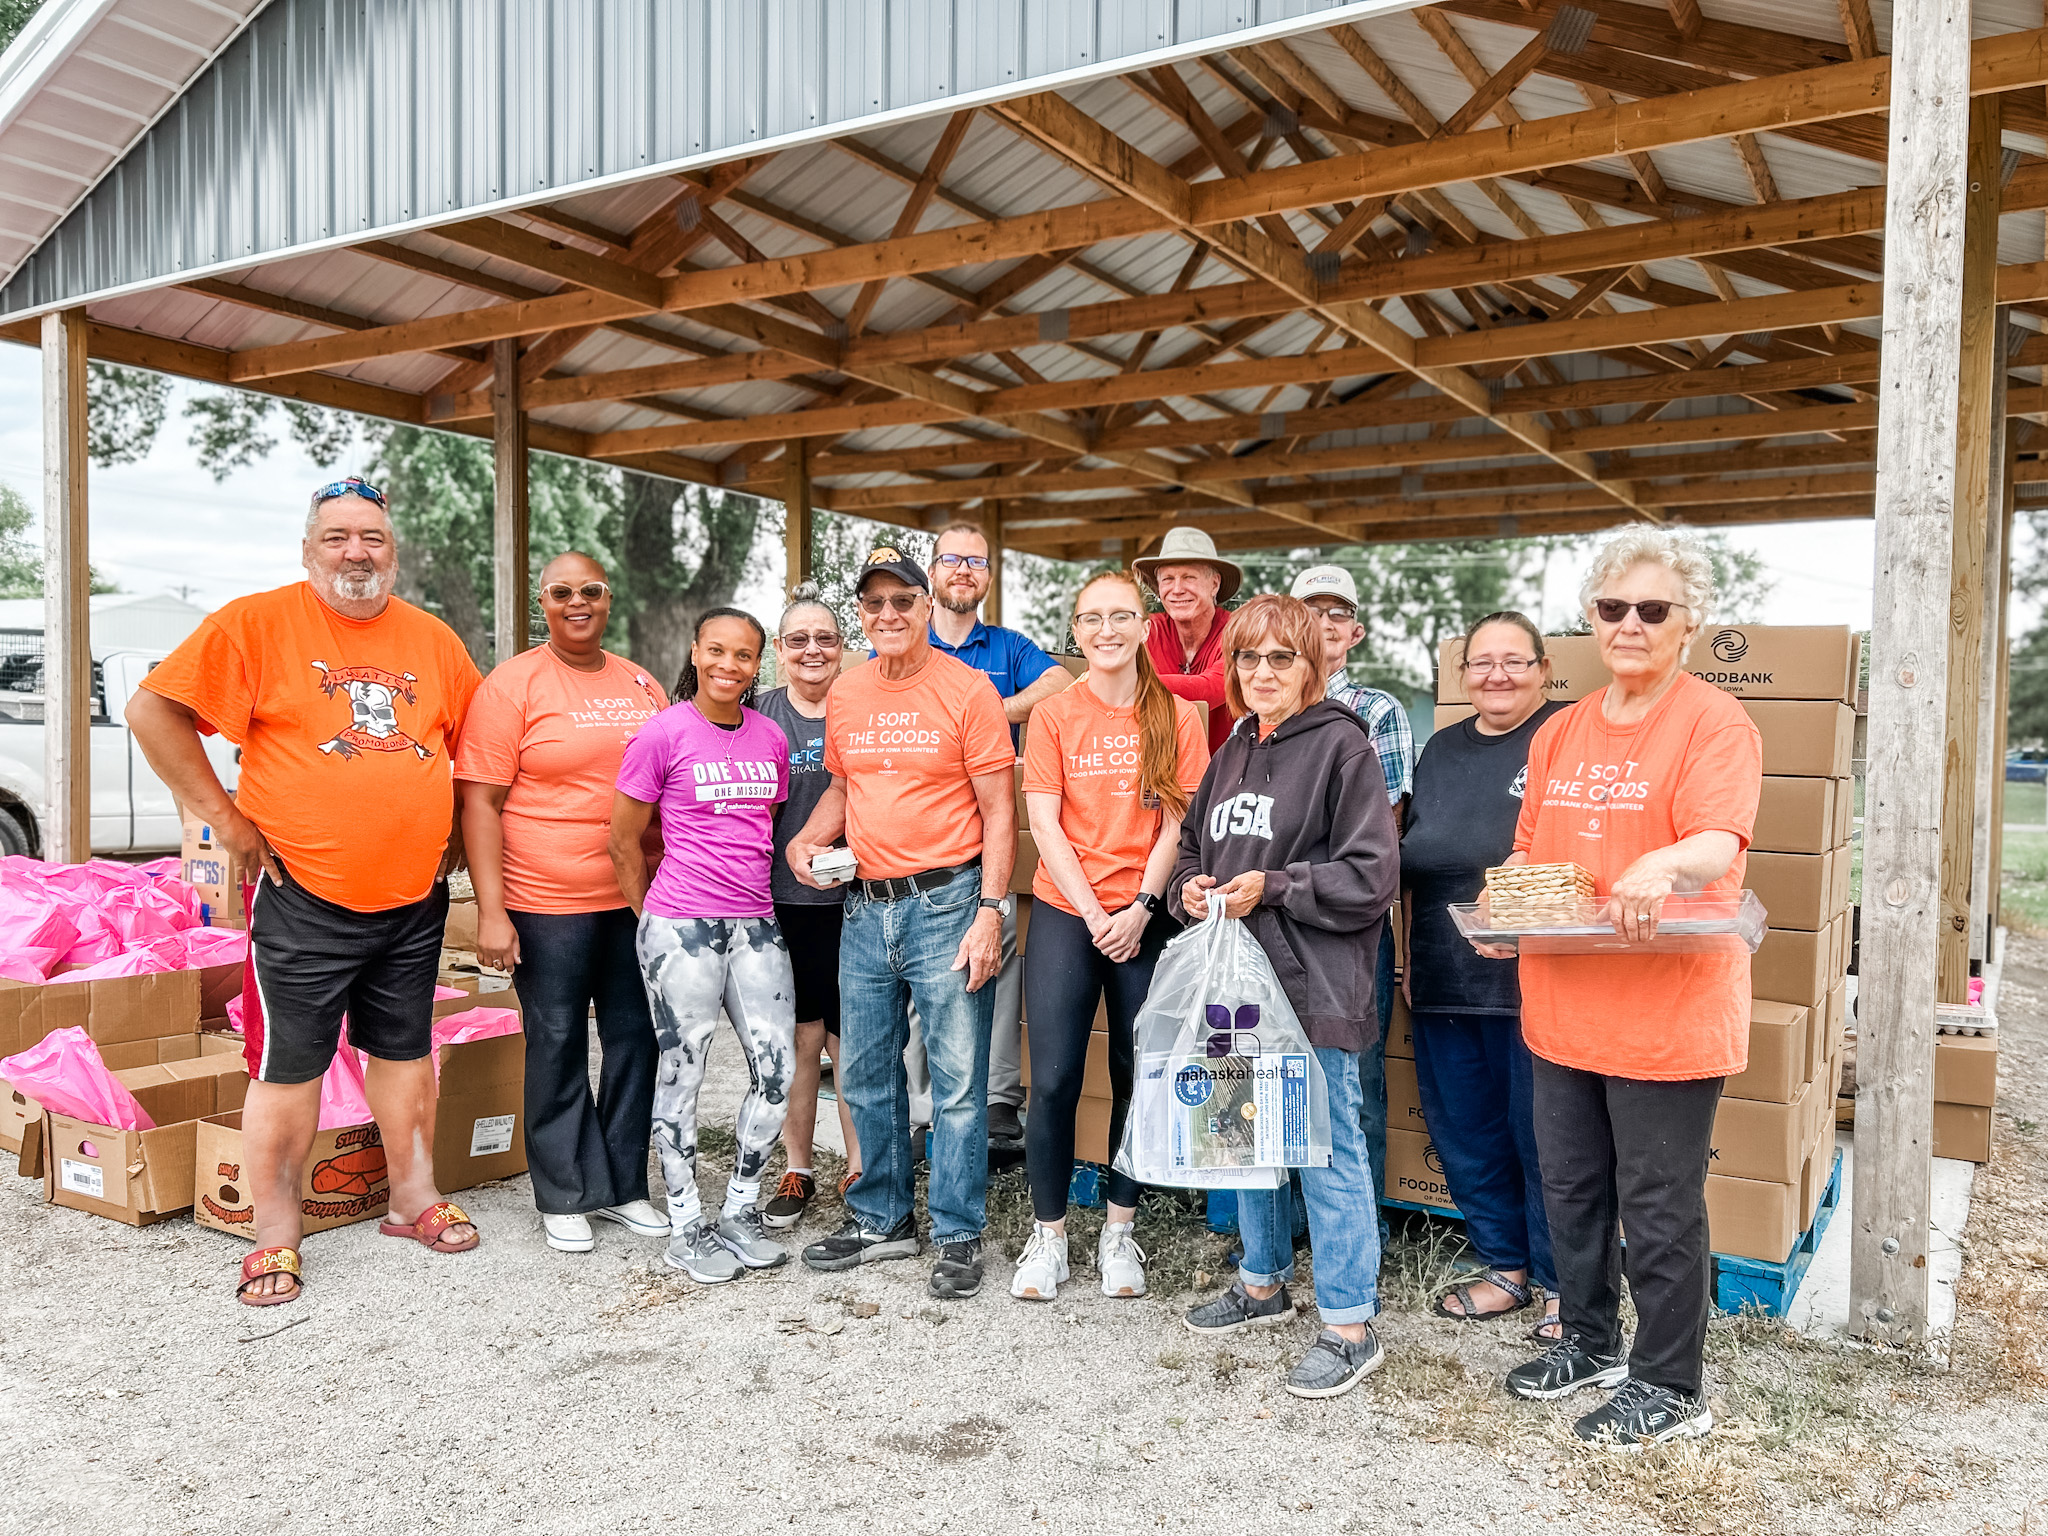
(538, 757)
(715, 770)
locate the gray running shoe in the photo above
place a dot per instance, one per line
(744, 1235)
(1334, 1365)
(698, 1253)
(1640, 1414)
(851, 1246)
(957, 1273)
(1237, 1308)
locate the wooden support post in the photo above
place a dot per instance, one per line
(1928, 130)
(1990, 764)
(2001, 701)
(992, 526)
(67, 581)
(797, 514)
(511, 582)
(1982, 363)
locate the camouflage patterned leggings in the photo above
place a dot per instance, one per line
(693, 966)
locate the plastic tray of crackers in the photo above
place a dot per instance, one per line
(1582, 926)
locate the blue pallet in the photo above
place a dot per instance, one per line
(1755, 1285)
(1089, 1184)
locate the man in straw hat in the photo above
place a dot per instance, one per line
(1186, 640)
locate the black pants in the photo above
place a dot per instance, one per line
(1615, 1151)
(584, 1154)
(1065, 976)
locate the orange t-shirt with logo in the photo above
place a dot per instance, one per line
(347, 728)
(1602, 796)
(1087, 753)
(908, 751)
(554, 737)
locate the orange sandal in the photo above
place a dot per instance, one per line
(270, 1261)
(435, 1220)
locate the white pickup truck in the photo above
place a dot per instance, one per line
(132, 809)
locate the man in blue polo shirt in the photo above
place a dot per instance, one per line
(1023, 675)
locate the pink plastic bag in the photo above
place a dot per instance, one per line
(34, 932)
(214, 946)
(343, 1101)
(475, 1024)
(65, 1075)
(165, 954)
(12, 969)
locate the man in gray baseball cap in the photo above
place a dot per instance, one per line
(1186, 640)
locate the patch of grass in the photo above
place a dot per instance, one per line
(2026, 804)
(2023, 904)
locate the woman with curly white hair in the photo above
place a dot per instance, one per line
(1650, 784)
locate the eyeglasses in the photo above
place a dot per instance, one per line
(1281, 662)
(1336, 613)
(803, 640)
(1613, 610)
(972, 562)
(1513, 666)
(354, 484)
(590, 592)
(902, 602)
(1088, 623)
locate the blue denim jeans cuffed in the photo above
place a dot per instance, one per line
(1343, 1207)
(892, 953)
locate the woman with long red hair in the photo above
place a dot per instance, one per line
(1109, 767)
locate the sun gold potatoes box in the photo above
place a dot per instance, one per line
(1753, 661)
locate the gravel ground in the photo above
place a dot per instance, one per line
(519, 1388)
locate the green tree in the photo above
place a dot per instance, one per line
(14, 15)
(21, 558)
(2026, 723)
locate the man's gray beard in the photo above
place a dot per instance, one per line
(361, 586)
(958, 605)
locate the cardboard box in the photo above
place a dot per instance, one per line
(1797, 889)
(1845, 809)
(480, 1125)
(1414, 1171)
(148, 1053)
(1091, 1130)
(1026, 865)
(1805, 739)
(1451, 714)
(218, 985)
(1813, 1178)
(1401, 1030)
(1962, 1131)
(1795, 816)
(346, 1179)
(1792, 966)
(1404, 1097)
(113, 1011)
(1830, 1021)
(461, 930)
(1095, 1074)
(1780, 1039)
(1752, 1218)
(1023, 921)
(17, 1113)
(1767, 1142)
(204, 867)
(1754, 661)
(190, 1089)
(136, 1177)
(1966, 1069)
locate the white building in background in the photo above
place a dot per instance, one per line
(121, 621)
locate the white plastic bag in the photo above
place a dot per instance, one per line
(1229, 1092)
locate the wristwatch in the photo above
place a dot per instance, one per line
(1000, 905)
(1149, 902)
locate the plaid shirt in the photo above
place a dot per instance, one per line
(1387, 721)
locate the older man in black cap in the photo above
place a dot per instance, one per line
(923, 790)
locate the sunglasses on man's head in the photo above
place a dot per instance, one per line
(1613, 610)
(590, 592)
(353, 485)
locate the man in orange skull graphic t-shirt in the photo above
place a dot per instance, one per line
(347, 704)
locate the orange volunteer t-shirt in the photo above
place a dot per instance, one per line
(554, 736)
(907, 752)
(1602, 796)
(346, 728)
(1087, 753)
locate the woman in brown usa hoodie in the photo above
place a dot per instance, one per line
(1292, 831)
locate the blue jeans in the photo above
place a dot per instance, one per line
(1478, 1097)
(1343, 1236)
(891, 954)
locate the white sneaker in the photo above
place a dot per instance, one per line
(1120, 1260)
(1043, 1265)
(636, 1216)
(571, 1234)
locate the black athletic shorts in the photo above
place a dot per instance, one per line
(812, 934)
(311, 961)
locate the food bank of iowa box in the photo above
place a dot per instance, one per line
(1752, 661)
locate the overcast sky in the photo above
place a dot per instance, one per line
(165, 525)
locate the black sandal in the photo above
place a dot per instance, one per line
(1518, 1292)
(1550, 1320)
